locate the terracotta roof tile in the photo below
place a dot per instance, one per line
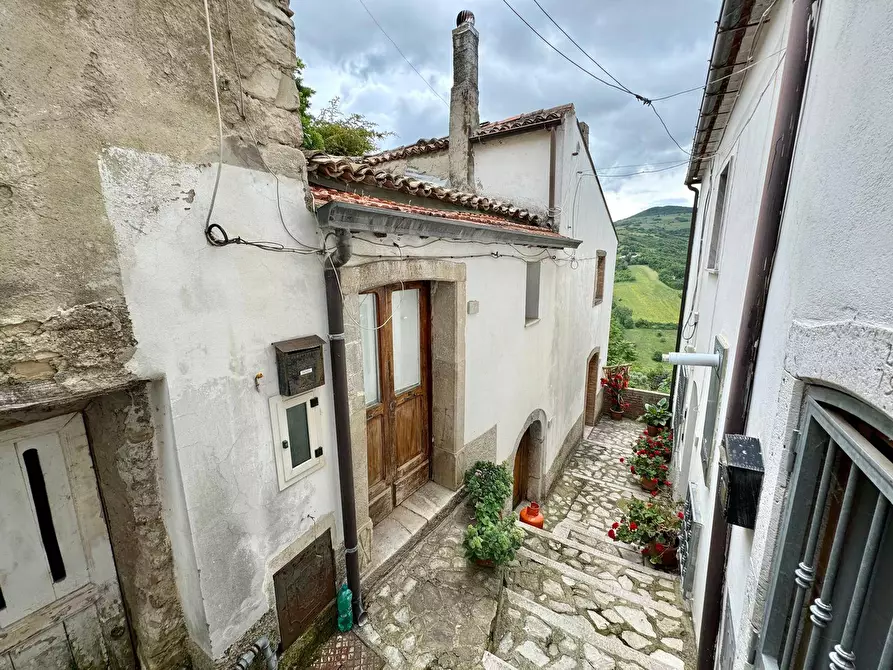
(350, 171)
(486, 129)
(323, 195)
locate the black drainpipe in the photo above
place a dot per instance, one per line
(335, 309)
(790, 101)
(691, 239)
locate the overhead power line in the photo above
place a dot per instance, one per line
(637, 96)
(633, 174)
(400, 51)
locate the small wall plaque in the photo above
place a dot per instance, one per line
(299, 363)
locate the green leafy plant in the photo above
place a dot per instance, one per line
(657, 414)
(652, 526)
(489, 486)
(494, 541)
(615, 383)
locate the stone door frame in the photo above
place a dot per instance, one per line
(536, 424)
(448, 290)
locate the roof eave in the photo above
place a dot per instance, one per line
(360, 218)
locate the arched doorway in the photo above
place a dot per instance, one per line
(592, 387)
(527, 462)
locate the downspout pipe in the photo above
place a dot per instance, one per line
(685, 280)
(784, 132)
(335, 309)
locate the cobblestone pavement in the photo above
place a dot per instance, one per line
(573, 599)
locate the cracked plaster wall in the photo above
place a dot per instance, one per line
(82, 75)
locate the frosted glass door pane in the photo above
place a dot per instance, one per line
(368, 322)
(407, 334)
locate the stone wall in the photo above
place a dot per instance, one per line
(123, 440)
(80, 76)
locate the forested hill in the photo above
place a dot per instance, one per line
(658, 238)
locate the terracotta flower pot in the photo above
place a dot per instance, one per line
(532, 516)
(653, 431)
(668, 557)
(616, 414)
(648, 483)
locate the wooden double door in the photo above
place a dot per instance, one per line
(395, 325)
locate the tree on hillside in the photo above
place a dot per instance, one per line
(332, 130)
(620, 349)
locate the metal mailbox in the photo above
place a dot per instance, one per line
(299, 363)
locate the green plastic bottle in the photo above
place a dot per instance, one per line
(345, 609)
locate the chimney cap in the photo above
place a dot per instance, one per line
(465, 16)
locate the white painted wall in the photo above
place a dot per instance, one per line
(205, 318)
(835, 254)
(717, 296)
(515, 168)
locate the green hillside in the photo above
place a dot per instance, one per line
(658, 238)
(647, 296)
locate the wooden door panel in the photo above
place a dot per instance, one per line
(378, 467)
(408, 430)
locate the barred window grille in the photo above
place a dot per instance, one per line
(830, 602)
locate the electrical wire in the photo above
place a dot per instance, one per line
(633, 174)
(667, 130)
(400, 51)
(219, 125)
(582, 50)
(567, 58)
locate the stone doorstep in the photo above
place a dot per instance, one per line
(616, 591)
(408, 524)
(584, 632)
(608, 558)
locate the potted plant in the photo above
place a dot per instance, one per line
(656, 445)
(657, 416)
(615, 383)
(494, 539)
(489, 486)
(493, 542)
(653, 527)
(652, 470)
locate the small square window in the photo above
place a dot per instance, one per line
(297, 436)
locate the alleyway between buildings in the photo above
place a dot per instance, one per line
(573, 599)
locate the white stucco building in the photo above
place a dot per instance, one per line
(189, 362)
(789, 280)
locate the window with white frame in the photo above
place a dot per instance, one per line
(297, 436)
(718, 216)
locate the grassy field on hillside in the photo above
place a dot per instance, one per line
(647, 341)
(648, 297)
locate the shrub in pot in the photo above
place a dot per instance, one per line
(493, 541)
(655, 445)
(489, 486)
(657, 416)
(615, 383)
(653, 527)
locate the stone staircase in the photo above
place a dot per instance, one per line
(576, 599)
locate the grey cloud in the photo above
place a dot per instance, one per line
(653, 46)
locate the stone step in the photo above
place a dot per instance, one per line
(601, 483)
(603, 585)
(491, 662)
(580, 629)
(596, 554)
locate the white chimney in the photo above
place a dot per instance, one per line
(464, 115)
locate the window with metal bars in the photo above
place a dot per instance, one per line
(829, 603)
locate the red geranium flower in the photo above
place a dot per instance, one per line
(662, 466)
(622, 460)
(612, 534)
(632, 468)
(644, 550)
(668, 483)
(659, 548)
(615, 525)
(633, 525)
(680, 515)
(654, 493)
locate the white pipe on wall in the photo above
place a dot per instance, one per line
(680, 358)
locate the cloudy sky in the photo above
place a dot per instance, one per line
(654, 47)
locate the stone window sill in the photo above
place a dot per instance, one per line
(531, 322)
